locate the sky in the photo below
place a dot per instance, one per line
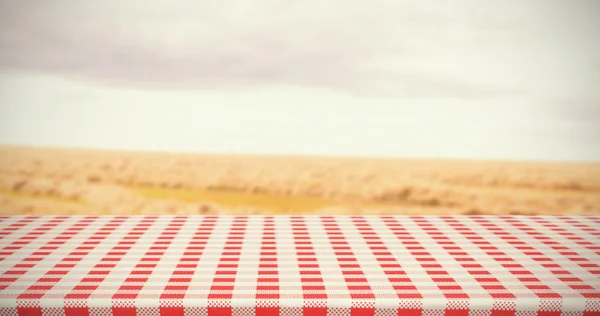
(477, 79)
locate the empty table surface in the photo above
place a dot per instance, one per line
(300, 265)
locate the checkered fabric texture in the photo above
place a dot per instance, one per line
(299, 265)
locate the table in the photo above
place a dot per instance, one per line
(299, 265)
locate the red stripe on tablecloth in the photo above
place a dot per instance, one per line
(223, 284)
(267, 284)
(361, 292)
(314, 294)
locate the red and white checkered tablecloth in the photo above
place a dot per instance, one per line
(299, 265)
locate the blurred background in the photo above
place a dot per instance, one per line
(314, 107)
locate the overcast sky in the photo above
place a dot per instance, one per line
(505, 79)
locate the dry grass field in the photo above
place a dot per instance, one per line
(69, 181)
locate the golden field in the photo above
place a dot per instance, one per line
(75, 181)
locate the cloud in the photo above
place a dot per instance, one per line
(579, 111)
(379, 47)
(467, 49)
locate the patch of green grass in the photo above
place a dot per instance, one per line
(226, 198)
